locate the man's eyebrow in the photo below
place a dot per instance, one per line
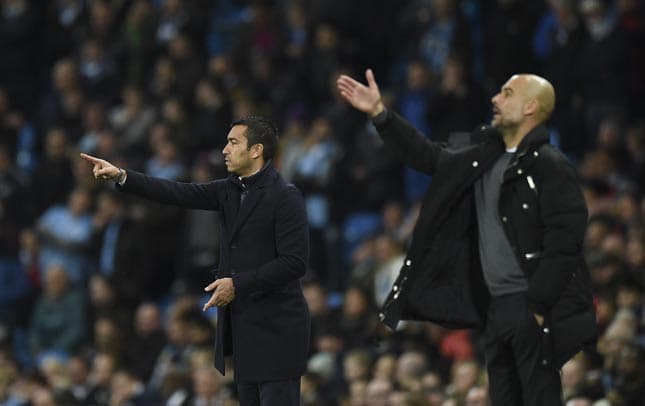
(507, 89)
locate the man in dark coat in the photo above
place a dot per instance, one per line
(263, 320)
(498, 241)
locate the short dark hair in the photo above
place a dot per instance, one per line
(259, 130)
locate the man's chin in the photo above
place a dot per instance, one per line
(496, 122)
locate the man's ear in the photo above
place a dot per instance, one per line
(257, 150)
(531, 107)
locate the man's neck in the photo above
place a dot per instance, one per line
(513, 136)
(252, 171)
(248, 174)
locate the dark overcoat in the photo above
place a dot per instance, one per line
(544, 215)
(264, 247)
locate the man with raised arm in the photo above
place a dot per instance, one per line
(263, 320)
(498, 243)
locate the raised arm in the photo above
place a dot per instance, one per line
(203, 196)
(400, 137)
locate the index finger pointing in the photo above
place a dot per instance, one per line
(90, 158)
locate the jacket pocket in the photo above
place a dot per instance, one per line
(572, 334)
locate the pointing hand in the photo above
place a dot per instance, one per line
(102, 169)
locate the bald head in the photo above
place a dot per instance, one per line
(539, 89)
(524, 102)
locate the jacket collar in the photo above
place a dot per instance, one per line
(522, 159)
(486, 133)
(536, 137)
(257, 178)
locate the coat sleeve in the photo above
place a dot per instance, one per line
(563, 215)
(187, 195)
(407, 143)
(291, 235)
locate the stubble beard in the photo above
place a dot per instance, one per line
(507, 129)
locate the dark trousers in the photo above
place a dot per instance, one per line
(518, 355)
(273, 393)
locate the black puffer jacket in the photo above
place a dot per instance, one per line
(544, 215)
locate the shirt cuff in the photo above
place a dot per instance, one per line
(125, 177)
(380, 117)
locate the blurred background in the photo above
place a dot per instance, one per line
(100, 293)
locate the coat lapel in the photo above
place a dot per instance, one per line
(246, 209)
(255, 194)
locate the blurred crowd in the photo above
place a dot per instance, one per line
(100, 293)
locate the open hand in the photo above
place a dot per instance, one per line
(103, 170)
(223, 293)
(364, 98)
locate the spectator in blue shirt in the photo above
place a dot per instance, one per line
(65, 233)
